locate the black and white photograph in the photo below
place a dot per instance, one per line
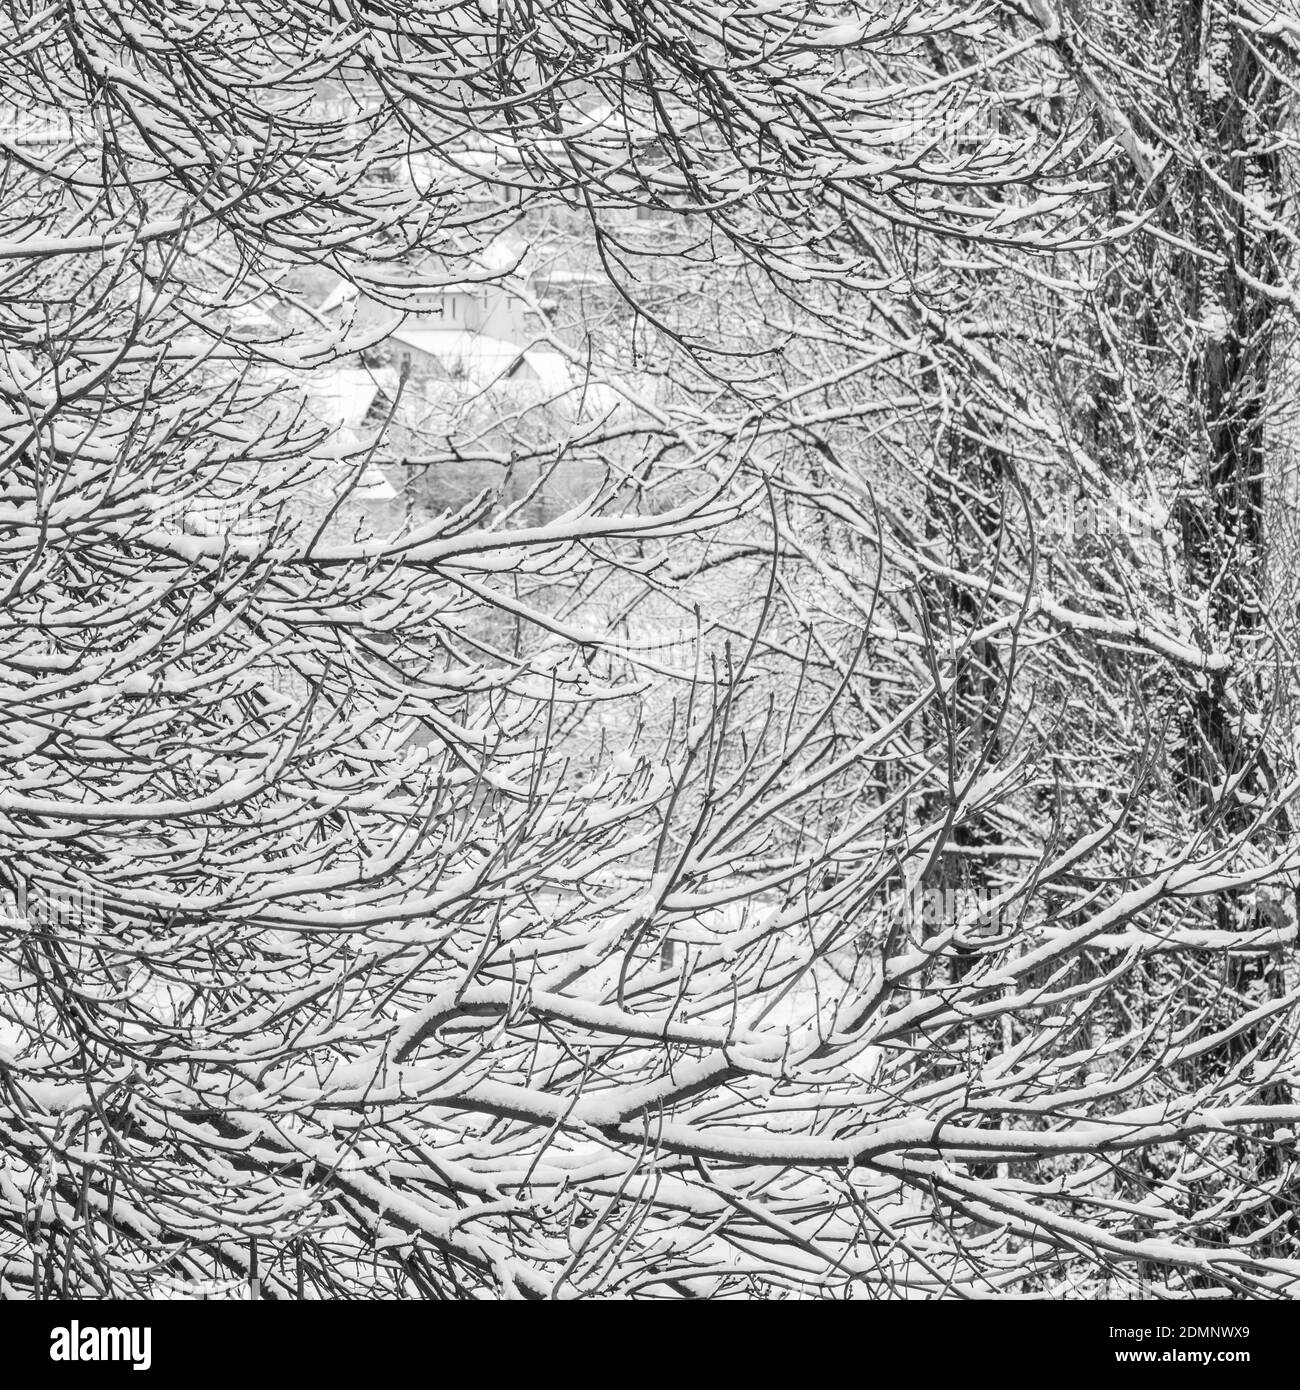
(649, 652)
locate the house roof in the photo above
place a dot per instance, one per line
(484, 362)
(481, 360)
(341, 396)
(340, 399)
(342, 293)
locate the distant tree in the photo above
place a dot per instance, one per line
(820, 858)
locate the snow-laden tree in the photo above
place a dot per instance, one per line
(816, 820)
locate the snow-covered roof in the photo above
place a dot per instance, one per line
(484, 362)
(373, 486)
(564, 276)
(554, 371)
(480, 359)
(342, 293)
(558, 376)
(340, 399)
(341, 396)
